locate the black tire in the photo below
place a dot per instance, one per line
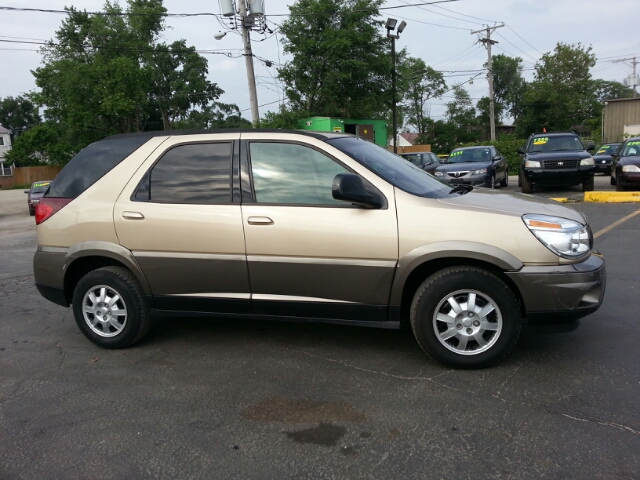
(492, 182)
(115, 281)
(526, 186)
(519, 179)
(505, 180)
(32, 212)
(588, 185)
(430, 301)
(619, 188)
(613, 180)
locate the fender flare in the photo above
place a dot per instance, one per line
(111, 250)
(457, 249)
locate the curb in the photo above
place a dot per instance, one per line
(612, 197)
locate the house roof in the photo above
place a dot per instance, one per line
(3, 130)
(410, 137)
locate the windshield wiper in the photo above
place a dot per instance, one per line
(461, 189)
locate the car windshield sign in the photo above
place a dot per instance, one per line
(556, 143)
(469, 155)
(392, 168)
(632, 149)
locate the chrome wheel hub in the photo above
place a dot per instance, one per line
(104, 311)
(467, 322)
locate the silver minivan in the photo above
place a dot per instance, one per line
(292, 225)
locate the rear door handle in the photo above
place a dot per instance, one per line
(133, 215)
(259, 221)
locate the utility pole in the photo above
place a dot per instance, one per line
(246, 24)
(633, 80)
(487, 43)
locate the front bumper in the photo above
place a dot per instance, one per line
(603, 166)
(538, 176)
(629, 178)
(562, 293)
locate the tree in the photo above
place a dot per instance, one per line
(420, 83)
(18, 114)
(484, 114)
(562, 91)
(43, 144)
(508, 84)
(341, 64)
(108, 74)
(460, 111)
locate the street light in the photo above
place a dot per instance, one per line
(391, 26)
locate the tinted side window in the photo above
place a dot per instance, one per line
(197, 173)
(287, 173)
(91, 164)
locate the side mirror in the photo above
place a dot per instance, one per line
(26, 191)
(615, 155)
(521, 151)
(591, 147)
(497, 158)
(350, 188)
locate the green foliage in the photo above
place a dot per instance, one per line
(341, 64)
(18, 113)
(40, 145)
(419, 83)
(109, 74)
(285, 119)
(508, 84)
(562, 93)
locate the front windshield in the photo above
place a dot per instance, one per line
(391, 168)
(632, 149)
(556, 143)
(469, 155)
(608, 149)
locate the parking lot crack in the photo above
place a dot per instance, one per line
(386, 374)
(602, 422)
(58, 344)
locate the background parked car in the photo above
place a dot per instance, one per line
(427, 161)
(36, 192)
(475, 166)
(602, 158)
(625, 168)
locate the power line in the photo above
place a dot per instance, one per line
(442, 14)
(516, 33)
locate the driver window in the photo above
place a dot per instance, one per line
(287, 173)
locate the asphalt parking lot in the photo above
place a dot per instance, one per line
(225, 399)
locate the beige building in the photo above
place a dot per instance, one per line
(619, 117)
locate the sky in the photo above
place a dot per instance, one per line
(439, 34)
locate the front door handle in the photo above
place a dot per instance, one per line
(133, 215)
(259, 221)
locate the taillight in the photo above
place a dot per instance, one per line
(48, 206)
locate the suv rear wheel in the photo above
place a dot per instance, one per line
(110, 309)
(465, 317)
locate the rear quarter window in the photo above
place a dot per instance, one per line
(91, 164)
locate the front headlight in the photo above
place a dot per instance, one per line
(439, 174)
(481, 171)
(630, 168)
(532, 164)
(563, 237)
(586, 162)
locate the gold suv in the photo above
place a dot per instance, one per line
(291, 225)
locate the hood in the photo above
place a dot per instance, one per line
(508, 203)
(631, 160)
(36, 196)
(602, 156)
(559, 155)
(456, 167)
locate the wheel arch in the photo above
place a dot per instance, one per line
(88, 256)
(419, 264)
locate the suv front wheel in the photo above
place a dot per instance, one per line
(465, 317)
(110, 309)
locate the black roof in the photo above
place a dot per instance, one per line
(554, 133)
(172, 133)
